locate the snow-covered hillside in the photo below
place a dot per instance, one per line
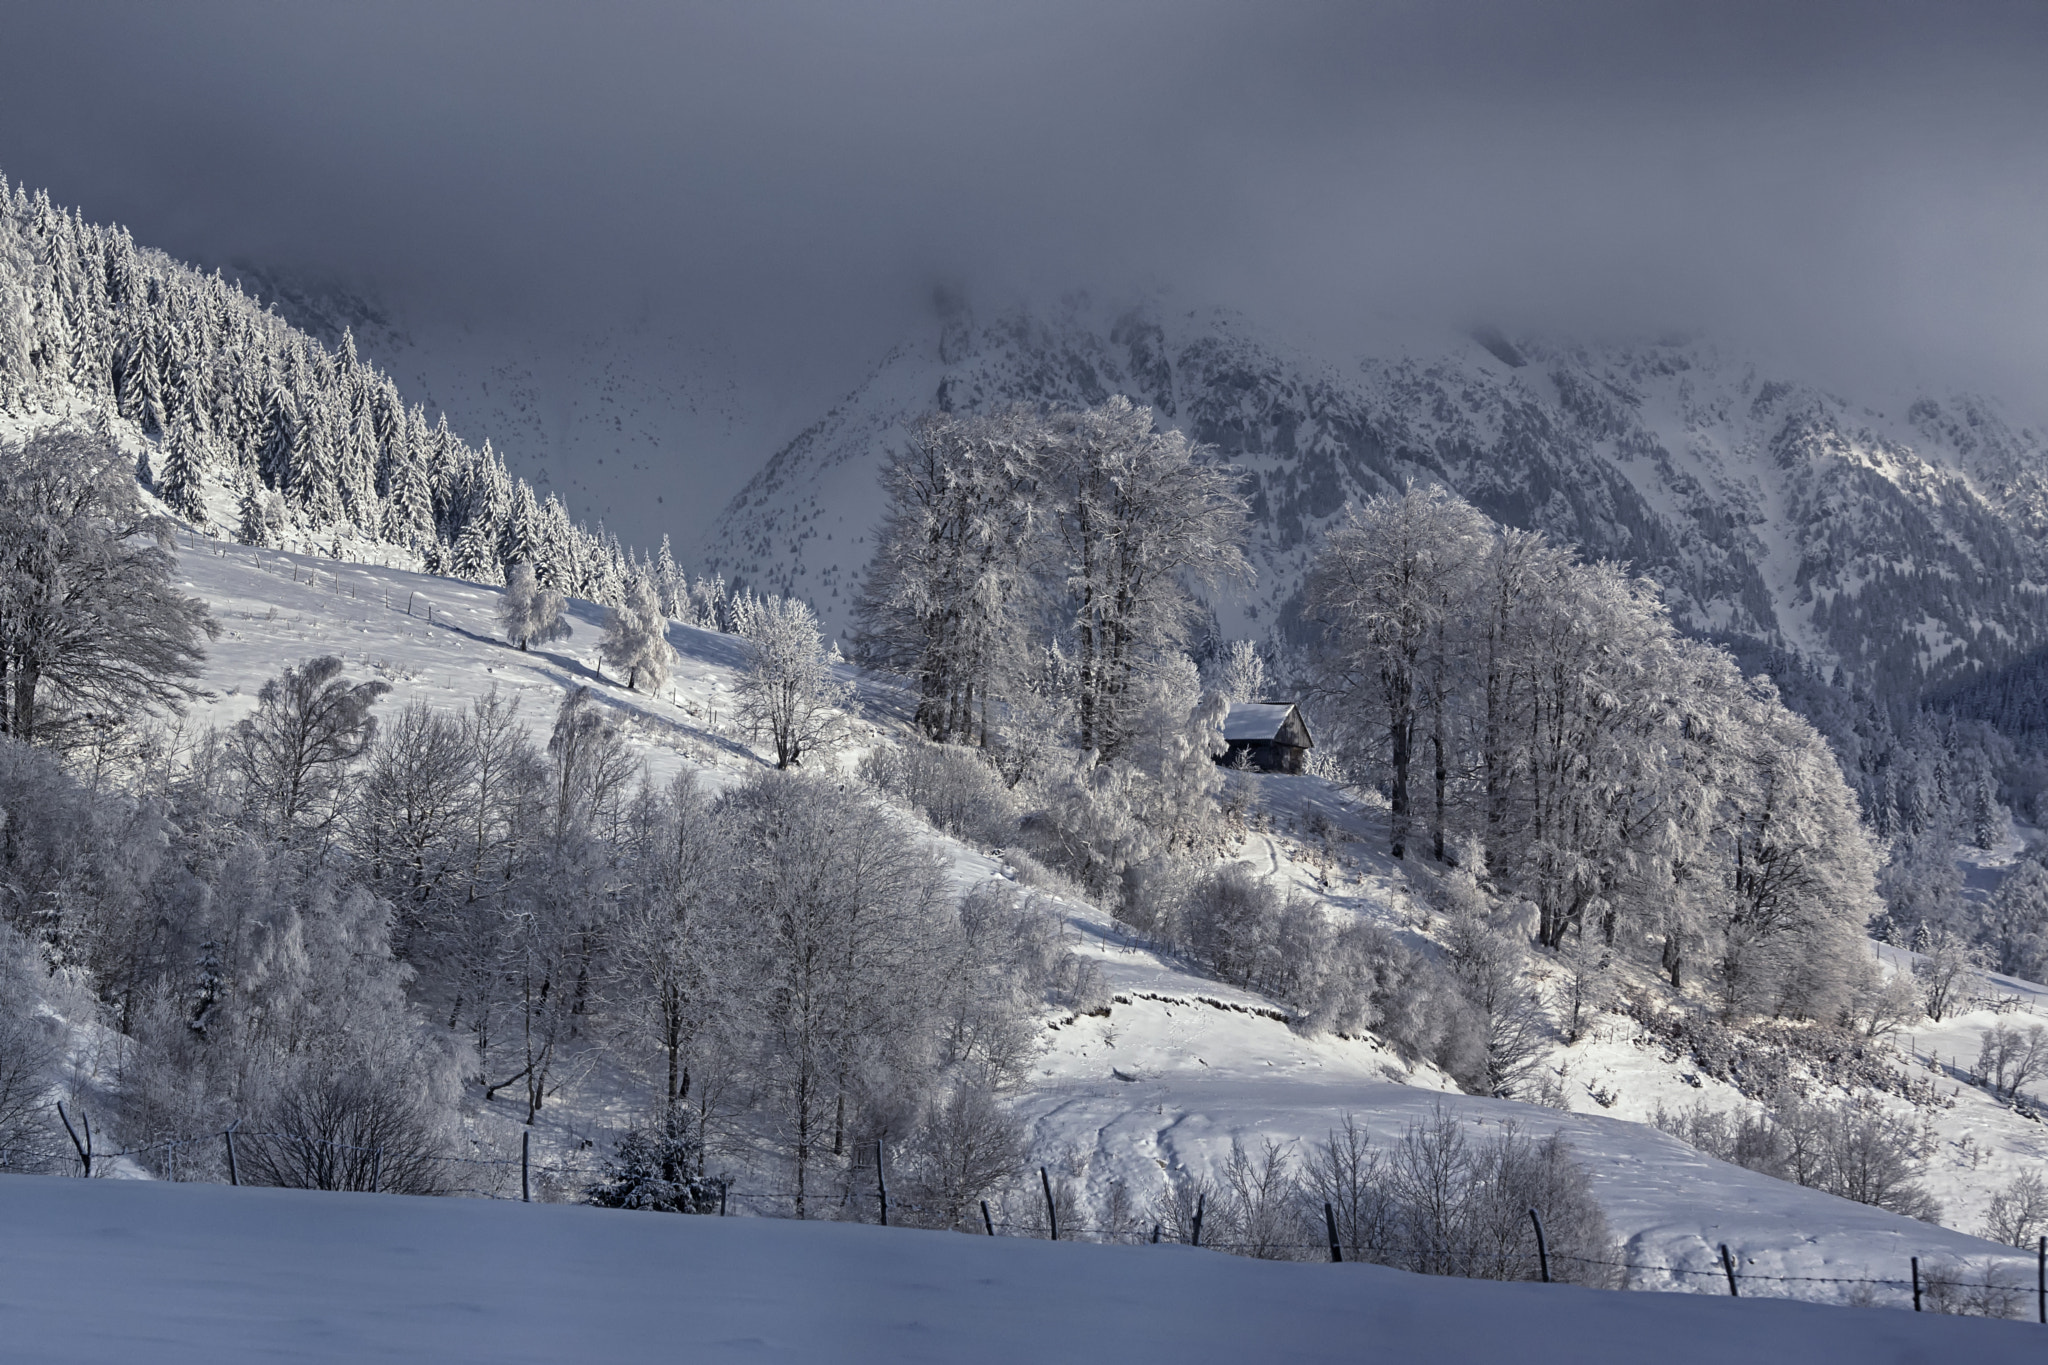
(1896, 538)
(1180, 1067)
(97, 1271)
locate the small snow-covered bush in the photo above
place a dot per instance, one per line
(658, 1166)
(965, 1148)
(1992, 1289)
(1855, 1148)
(955, 788)
(1435, 1201)
(2018, 1213)
(355, 1129)
(27, 1051)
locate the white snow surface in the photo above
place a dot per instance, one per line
(106, 1271)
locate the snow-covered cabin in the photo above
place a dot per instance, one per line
(1271, 736)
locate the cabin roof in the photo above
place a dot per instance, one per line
(1262, 721)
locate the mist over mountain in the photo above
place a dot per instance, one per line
(712, 224)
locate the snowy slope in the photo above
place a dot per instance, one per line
(1181, 1066)
(93, 1272)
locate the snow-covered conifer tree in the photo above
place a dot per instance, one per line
(256, 515)
(475, 554)
(182, 482)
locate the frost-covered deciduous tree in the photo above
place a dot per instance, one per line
(951, 593)
(843, 910)
(1630, 784)
(670, 948)
(295, 755)
(1175, 736)
(1140, 517)
(1802, 889)
(91, 622)
(1388, 587)
(636, 639)
(1241, 672)
(1946, 970)
(788, 689)
(528, 613)
(415, 810)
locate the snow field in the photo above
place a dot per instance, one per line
(93, 1272)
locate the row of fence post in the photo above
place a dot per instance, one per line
(84, 1146)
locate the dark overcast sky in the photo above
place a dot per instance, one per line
(1855, 182)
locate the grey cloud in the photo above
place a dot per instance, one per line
(1861, 184)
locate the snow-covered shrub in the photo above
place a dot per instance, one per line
(27, 1052)
(1433, 1201)
(1086, 824)
(953, 787)
(1014, 962)
(658, 1166)
(965, 1148)
(1483, 946)
(1258, 1213)
(1230, 923)
(357, 1128)
(1990, 1289)
(2018, 1214)
(1852, 1148)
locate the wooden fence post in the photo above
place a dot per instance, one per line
(84, 1148)
(1155, 1234)
(1542, 1247)
(1728, 1264)
(881, 1183)
(376, 1168)
(1052, 1213)
(1200, 1200)
(234, 1175)
(1916, 1284)
(2041, 1279)
(986, 1221)
(1330, 1222)
(525, 1165)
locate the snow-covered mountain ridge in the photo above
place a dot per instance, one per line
(1901, 545)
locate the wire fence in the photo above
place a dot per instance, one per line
(1994, 1287)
